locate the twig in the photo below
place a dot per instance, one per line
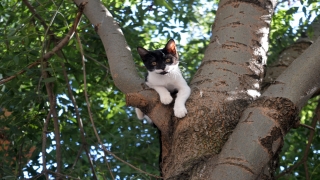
(66, 176)
(85, 90)
(20, 158)
(306, 170)
(83, 138)
(4, 80)
(52, 100)
(33, 11)
(77, 158)
(49, 54)
(310, 138)
(306, 126)
(97, 62)
(44, 142)
(37, 176)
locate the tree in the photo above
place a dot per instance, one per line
(67, 98)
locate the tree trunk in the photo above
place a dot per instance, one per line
(224, 92)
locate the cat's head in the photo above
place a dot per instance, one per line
(161, 61)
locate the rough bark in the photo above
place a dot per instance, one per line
(286, 57)
(301, 79)
(223, 86)
(258, 138)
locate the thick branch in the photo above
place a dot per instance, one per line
(267, 120)
(121, 63)
(286, 57)
(301, 79)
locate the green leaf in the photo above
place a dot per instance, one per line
(16, 59)
(164, 4)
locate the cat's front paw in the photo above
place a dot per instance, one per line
(166, 99)
(180, 112)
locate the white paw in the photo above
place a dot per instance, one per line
(180, 112)
(166, 99)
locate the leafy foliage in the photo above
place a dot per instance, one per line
(26, 38)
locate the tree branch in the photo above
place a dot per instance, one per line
(148, 101)
(49, 54)
(87, 99)
(33, 11)
(52, 101)
(269, 118)
(80, 124)
(300, 80)
(286, 57)
(44, 142)
(118, 52)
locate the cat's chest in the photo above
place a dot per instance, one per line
(170, 82)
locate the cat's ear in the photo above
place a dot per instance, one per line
(142, 52)
(171, 47)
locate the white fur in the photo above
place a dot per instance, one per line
(164, 84)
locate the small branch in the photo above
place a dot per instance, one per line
(105, 67)
(52, 97)
(80, 124)
(306, 126)
(44, 142)
(37, 176)
(20, 159)
(86, 96)
(77, 158)
(52, 101)
(62, 175)
(306, 170)
(49, 54)
(117, 50)
(33, 11)
(4, 80)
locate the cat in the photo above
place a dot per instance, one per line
(165, 77)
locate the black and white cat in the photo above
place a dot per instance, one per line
(165, 77)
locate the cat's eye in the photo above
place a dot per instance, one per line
(168, 60)
(153, 63)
